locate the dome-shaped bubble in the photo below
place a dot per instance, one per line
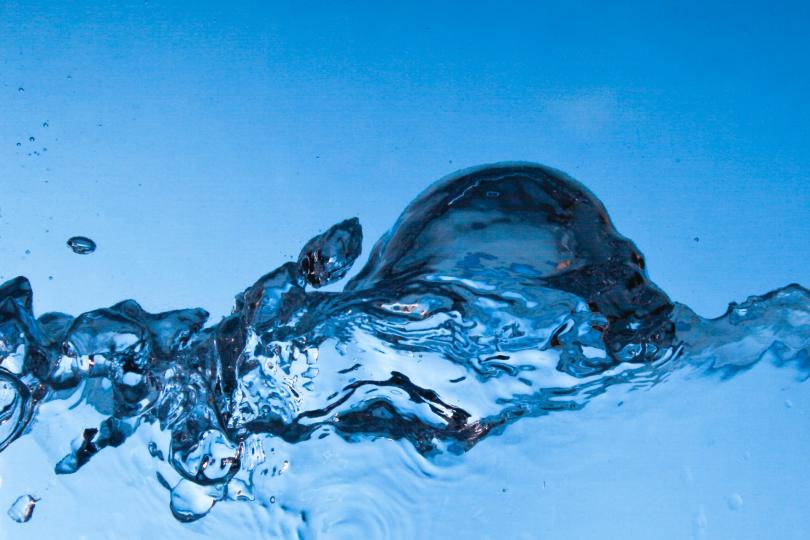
(507, 223)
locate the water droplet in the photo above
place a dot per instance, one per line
(154, 451)
(81, 245)
(329, 256)
(190, 501)
(240, 491)
(23, 508)
(734, 501)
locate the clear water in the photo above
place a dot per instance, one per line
(502, 366)
(175, 152)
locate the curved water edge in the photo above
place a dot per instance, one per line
(501, 292)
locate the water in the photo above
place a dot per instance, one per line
(502, 364)
(23, 508)
(81, 245)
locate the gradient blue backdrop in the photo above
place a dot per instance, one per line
(200, 144)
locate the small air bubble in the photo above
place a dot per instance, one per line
(19, 144)
(45, 124)
(31, 138)
(21, 89)
(50, 278)
(28, 252)
(696, 239)
(788, 404)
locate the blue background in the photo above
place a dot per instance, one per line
(201, 144)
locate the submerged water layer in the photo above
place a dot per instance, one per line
(501, 293)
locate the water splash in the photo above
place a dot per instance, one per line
(501, 293)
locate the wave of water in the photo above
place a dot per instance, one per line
(501, 293)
